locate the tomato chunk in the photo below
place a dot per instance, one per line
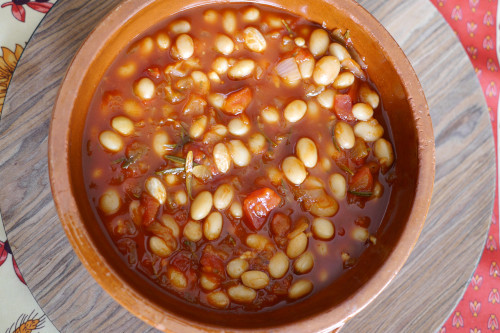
(151, 207)
(211, 262)
(343, 107)
(362, 181)
(237, 101)
(257, 206)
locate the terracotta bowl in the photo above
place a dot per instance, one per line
(409, 118)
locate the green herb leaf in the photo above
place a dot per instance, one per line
(131, 160)
(287, 27)
(347, 35)
(274, 144)
(361, 194)
(346, 169)
(175, 159)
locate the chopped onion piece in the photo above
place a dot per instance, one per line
(289, 71)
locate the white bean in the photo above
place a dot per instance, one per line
(378, 190)
(274, 175)
(159, 247)
(110, 202)
(185, 46)
(326, 70)
(326, 98)
(360, 234)
(135, 212)
(163, 41)
(201, 82)
(278, 265)
(369, 130)
(146, 46)
(198, 127)
(322, 228)
(258, 242)
(255, 279)
(384, 153)
(362, 111)
(318, 42)
(306, 66)
(242, 294)
(241, 69)
(368, 96)
(133, 108)
(338, 186)
(224, 44)
(144, 89)
(344, 135)
(180, 27)
(111, 141)
(307, 152)
(180, 197)
(257, 143)
(208, 282)
(222, 157)
(270, 114)
(304, 263)
(294, 170)
(212, 227)
(123, 125)
(201, 206)
(236, 210)
(296, 246)
(239, 126)
(192, 231)
(299, 41)
(127, 70)
(344, 80)
(223, 196)
(211, 16)
(295, 110)
(220, 65)
(236, 267)
(300, 288)
(338, 51)
(254, 40)
(218, 299)
(216, 100)
(169, 222)
(177, 278)
(160, 142)
(156, 189)
(229, 22)
(239, 153)
(214, 77)
(251, 14)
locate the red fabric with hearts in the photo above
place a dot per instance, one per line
(474, 22)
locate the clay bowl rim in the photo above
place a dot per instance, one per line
(110, 280)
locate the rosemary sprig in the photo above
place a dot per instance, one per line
(189, 174)
(361, 194)
(346, 169)
(287, 27)
(172, 171)
(274, 144)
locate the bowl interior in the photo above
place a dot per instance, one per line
(401, 95)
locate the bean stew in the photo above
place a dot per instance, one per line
(239, 156)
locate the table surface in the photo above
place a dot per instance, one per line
(420, 298)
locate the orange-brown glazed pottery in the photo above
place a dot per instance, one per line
(409, 119)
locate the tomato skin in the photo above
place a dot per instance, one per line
(237, 101)
(362, 181)
(257, 206)
(151, 207)
(343, 107)
(280, 224)
(211, 262)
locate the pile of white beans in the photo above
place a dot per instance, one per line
(237, 142)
